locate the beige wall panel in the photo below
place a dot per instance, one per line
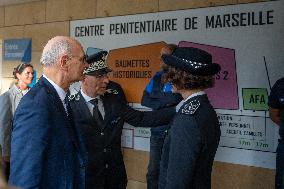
(5, 84)
(136, 163)
(125, 7)
(57, 10)
(12, 32)
(41, 33)
(1, 33)
(136, 185)
(82, 9)
(2, 16)
(187, 4)
(11, 2)
(241, 177)
(251, 1)
(8, 67)
(222, 2)
(36, 64)
(224, 175)
(69, 10)
(29, 13)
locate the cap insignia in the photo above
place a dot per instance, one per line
(191, 107)
(112, 91)
(194, 64)
(95, 66)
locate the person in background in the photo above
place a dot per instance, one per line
(46, 149)
(158, 94)
(100, 115)
(9, 101)
(194, 135)
(276, 112)
(3, 183)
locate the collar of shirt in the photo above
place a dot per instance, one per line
(88, 98)
(91, 106)
(189, 97)
(61, 93)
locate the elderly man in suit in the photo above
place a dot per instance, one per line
(100, 114)
(45, 149)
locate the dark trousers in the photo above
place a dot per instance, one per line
(156, 146)
(7, 170)
(279, 178)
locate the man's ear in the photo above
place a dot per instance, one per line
(83, 81)
(63, 63)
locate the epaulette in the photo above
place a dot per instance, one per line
(72, 97)
(112, 91)
(191, 107)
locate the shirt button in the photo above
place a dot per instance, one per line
(105, 150)
(102, 133)
(106, 165)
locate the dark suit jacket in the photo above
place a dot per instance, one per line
(105, 168)
(190, 147)
(45, 150)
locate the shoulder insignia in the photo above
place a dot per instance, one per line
(72, 97)
(191, 107)
(112, 91)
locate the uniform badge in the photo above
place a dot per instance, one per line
(112, 91)
(191, 107)
(74, 97)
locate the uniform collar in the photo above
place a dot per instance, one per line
(189, 97)
(194, 95)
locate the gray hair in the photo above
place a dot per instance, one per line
(55, 48)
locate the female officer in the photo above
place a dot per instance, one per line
(193, 138)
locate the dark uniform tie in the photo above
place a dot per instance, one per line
(96, 113)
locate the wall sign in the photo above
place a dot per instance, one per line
(18, 49)
(244, 39)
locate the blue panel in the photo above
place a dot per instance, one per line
(18, 49)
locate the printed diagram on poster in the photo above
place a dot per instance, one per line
(133, 67)
(246, 132)
(224, 95)
(127, 138)
(243, 39)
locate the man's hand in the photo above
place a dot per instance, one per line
(274, 115)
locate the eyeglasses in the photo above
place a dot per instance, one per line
(81, 59)
(84, 59)
(101, 76)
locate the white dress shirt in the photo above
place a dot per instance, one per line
(91, 106)
(61, 93)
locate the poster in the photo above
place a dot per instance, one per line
(245, 39)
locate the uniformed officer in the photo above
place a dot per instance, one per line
(158, 94)
(276, 112)
(190, 147)
(100, 115)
